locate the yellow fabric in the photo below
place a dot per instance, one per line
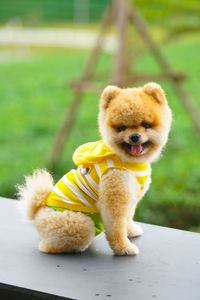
(91, 153)
(78, 189)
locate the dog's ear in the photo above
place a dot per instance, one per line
(154, 90)
(108, 94)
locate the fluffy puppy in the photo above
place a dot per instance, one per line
(112, 176)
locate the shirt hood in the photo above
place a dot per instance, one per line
(91, 153)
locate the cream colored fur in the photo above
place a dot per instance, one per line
(59, 231)
(33, 192)
(117, 201)
(70, 231)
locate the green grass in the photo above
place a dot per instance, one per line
(34, 98)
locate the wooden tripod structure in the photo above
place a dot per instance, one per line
(122, 12)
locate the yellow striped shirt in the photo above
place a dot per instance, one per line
(78, 189)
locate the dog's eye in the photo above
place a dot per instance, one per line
(146, 125)
(121, 128)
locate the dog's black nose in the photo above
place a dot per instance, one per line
(135, 138)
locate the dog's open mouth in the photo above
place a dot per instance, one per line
(135, 149)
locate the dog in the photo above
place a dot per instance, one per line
(112, 176)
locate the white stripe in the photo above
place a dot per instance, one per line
(92, 182)
(60, 194)
(74, 190)
(110, 163)
(87, 189)
(142, 173)
(97, 168)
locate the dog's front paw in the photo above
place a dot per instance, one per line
(129, 249)
(134, 230)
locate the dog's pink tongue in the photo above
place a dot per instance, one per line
(136, 150)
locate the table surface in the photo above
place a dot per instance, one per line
(168, 266)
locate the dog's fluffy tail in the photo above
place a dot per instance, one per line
(34, 191)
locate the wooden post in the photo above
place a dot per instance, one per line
(143, 31)
(125, 11)
(188, 102)
(69, 118)
(64, 130)
(121, 68)
(184, 96)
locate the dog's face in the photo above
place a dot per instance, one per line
(135, 122)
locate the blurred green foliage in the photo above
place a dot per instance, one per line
(35, 12)
(175, 16)
(34, 98)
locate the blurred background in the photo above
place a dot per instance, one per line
(44, 45)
